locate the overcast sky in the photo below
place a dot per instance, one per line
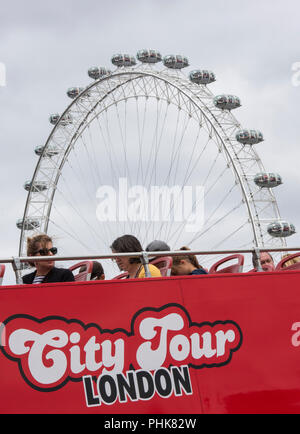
(48, 47)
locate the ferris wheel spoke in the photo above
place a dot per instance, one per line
(211, 169)
(69, 234)
(153, 141)
(94, 156)
(174, 153)
(187, 177)
(72, 201)
(221, 219)
(152, 159)
(220, 204)
(230, 235)
(195, 165)
(217, 180)
(158, 141)
(94, 175)
(88, 226)
(180, 147)
(141, 131)
(174, 163)
(113, 161)
(72, 232)
(177, 153)
(157, 147)
(188, 174)
(123, 140)
(205, 259)
(97, 183)
(205, 223)
(192, 155)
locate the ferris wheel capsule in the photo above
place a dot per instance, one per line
(227, 102)
(123, 60)
(267, 180)
(73, 92)
(36, 186)
(54, 118)
(175, 62)
(28, 224)
(96, 72)
(199, 76)
(65, 120)
(149, 56)
(51, 151)
(281, 229)
(249, 137)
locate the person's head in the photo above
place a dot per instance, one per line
(291, 261)
(157, 246)
(97, 271)
(266, 261)
(126, 244)
(41, 245)
(185, 264)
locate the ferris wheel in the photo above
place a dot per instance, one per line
(150, 151)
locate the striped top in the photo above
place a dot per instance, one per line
(38, 279)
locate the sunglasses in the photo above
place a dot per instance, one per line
(45, 252)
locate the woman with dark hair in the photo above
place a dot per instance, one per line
(186, 265)
(134, 267)
(97, 271)
(46, 272)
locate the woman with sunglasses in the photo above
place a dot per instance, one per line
(46, 272)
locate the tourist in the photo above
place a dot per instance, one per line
(97, 271)
(186, 265)
(46, 272)
(266, 261)
(133, 266)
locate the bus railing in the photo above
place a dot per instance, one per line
(17, 262)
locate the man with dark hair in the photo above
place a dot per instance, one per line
(134, 267)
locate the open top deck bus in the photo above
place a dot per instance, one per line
(225, 342)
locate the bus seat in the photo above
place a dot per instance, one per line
(86, 273)
(164, 264)
(296, 266)
(235, 268)
(2, 272)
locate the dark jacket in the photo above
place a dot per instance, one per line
(198, 271)
(54, 275)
